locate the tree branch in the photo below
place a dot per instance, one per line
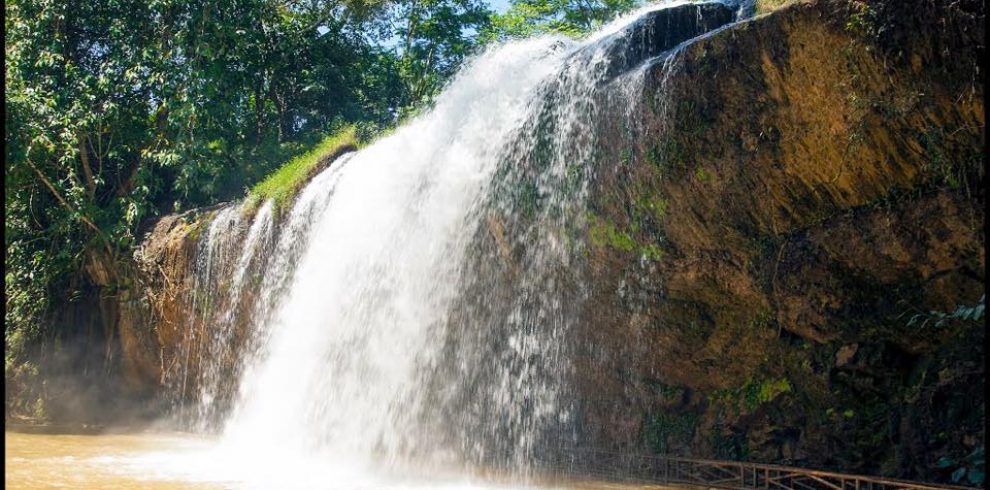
(69, 207)
(128, 183)
(87, 170)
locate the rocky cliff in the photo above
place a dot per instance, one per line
(805, 184)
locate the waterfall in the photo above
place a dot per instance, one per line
(415, 302)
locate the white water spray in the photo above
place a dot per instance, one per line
(414, 304)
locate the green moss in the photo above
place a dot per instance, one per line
(938, 164)
(862, 21)
(605, 234)
(652, 251)
(771, 388)
(669, 155)
(752, 394)
(626, 156)
(664, 432)
(654, 156)
(703, 175)
(527, 198)
(666, 392)
(655, 207)
(283, 184)
(690, 116)
(198, 226)
(855, 101)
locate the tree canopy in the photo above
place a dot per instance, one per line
(526, 18)
(121, 110)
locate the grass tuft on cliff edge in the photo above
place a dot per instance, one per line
(285, 182)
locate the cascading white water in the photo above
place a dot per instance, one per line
(369, 300)
(414, 304)
(208, 333)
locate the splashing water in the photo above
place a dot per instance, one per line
(411, 311)
(370, 297)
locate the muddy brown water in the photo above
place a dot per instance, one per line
(178, 461)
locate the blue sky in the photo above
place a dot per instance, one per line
(499, 5)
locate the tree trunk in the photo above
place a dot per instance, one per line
(87, 170)
(259, 112)
(279, 100)
(82, 217)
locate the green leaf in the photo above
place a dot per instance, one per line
(977, 456)
(958, 474)
(976, 476)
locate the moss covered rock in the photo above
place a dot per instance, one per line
(820, 171)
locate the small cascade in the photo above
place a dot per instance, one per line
(212, 257)
(227, 255)
(224, 336)
(244, 258)
(415, 304)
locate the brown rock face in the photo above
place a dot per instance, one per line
(803, 181)
(166, 259)
(661, 30)
(99, 365)
(110, 361)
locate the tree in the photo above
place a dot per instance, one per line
(120, 110)
(434, 37)
(569, 17)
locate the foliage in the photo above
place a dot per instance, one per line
(573, 18)
(655, 206)
(663, 433)
(862, 20)
(436, 35)
(652, 252)
(939, 319)
(972, 467)
(286, 181)
(753, 393)
(122, 110)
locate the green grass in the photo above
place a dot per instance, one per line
(285, 182)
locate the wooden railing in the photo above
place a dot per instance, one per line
(730, 475)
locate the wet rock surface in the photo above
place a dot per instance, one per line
(797, 185)
(662, 30)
